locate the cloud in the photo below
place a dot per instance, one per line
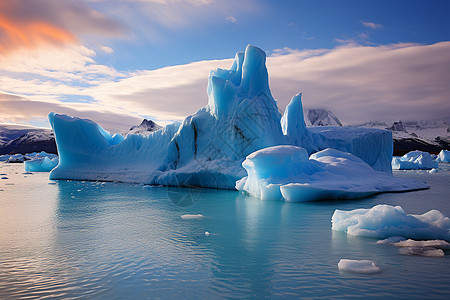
(372, 25)
(30, 24)
(18, 109)
(168, 93)
(358, 83)
(231, 19)
(361, 83)
(107, 49)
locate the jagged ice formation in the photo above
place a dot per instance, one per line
(207, 149)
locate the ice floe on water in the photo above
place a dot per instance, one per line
(192, 217)
(444, 156)
(414, 160)
(384, 221)
(41, 164)
(358, 266)
(287, 173)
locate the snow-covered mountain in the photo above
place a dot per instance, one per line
(430, 136)
(145, 128)
(23, 139)
(321, 117)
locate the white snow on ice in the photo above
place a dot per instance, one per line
(384, 221)
(414, 160)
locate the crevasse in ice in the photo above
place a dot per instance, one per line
(207, 149)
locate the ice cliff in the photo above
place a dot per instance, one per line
(207, 149)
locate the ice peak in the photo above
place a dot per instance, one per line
(255, 79)
(247, 78)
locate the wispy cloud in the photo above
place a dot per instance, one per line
(30, 24)
(372, 25)
(231, 19)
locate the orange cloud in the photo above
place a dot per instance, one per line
(33, 23)
(30, 34)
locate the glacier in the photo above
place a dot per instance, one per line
(384, 221)
(207, 149)
(414, 160)
(286, 172)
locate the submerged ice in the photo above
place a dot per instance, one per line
(208, 148)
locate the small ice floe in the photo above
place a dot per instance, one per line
(391, 240)
(207, 233)
(147, 187)
(434, 170)
(433, 248)
(422, 251)
(193, 217)
(440, 244)
(358, 266)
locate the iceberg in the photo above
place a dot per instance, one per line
(207, 149)
(287, 173)
(414, 160)
(384, 221)
(41, 164)
(443, 156)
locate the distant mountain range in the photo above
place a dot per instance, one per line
(430, 136)
(22, 139)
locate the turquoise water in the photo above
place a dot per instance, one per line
(119, 241)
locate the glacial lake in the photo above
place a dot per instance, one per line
(92, 240)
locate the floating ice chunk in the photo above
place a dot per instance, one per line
(207, 233)
(422, 251)
(192, 217)
(4, 157)
(16, 158)
(286, 172)
(444, 156)
(433, 171)
(440, 244)
(391, 240)
(414, 160)
(42, 164)
(383, 221)
(148, 187)
(358, 266)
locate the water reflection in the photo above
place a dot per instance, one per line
(95, 240)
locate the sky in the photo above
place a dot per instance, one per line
(119, 61)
